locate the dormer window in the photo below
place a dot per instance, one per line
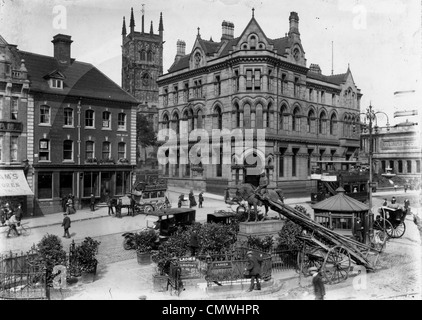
(252, 43)
(197, 60)
(56, 83)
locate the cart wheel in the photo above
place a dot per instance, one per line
(398, 231)
(148, 208)
(336, 265)
(388, 227)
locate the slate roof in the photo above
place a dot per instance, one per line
(335, 79)
(340, 203)
(81, 79)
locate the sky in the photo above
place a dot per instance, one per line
(379, 39)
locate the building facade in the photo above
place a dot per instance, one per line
(81, 130)
(14, 167)
(255, 82)
(396, 150)
(142, 64)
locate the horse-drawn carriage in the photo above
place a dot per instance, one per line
(148, 197)
(391, 220)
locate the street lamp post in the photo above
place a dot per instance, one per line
(371, 117)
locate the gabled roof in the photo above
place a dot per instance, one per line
(81, 79)
(56, 74)
(340, 203)
(210, 47)
(281, 44)
(181, 64)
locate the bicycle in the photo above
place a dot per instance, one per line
(24, 231)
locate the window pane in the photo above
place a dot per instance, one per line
(45, 188)
(14, 149)
(44, 152)
(89, 150)
(68, 117)
(68, 150)
(106, 119)
(106, 150)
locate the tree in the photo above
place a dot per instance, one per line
(145, 134)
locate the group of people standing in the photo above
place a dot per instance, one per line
(11, 217)
(192, 200)
(68, 204)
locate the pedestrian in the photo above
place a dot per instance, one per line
(395, 187)
(254, 268)
(19, 214)
(110, 204)
(92, 202)
(181, 199)
(193, 243)
(359, 230)
(132, 205)
(119, 208)
(64, 203)
(319, 288)
(66, 226)
(70, 209)
(192, 201)
(405, 188)
(384, 204)
(2, 216)
(7, 211)
(200, 199)
(12, 222)
(72, 197)
(407, 206)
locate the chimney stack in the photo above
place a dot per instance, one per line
(181, 47)
(315, 68)
(228, 30)
(294, 23)
(62, 44)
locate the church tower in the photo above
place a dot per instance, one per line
(142, 60)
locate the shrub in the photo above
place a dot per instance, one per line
(146, 240)
(85, 254)
(287, 236)
(263, 244)
(50, 253)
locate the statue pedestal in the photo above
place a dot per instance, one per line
(259, 229)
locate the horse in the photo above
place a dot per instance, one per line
(247, 192)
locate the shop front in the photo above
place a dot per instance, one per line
(14, 189)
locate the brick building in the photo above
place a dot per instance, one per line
(81, 130)
(14, 88)
(253, 81)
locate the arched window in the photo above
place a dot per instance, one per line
(296, 120)
(311, 121)
(237, 109)
(143, 55)
(106, 150)
(89, 118)
(218, 118)
(197, 60)
(149, 56)
(333, 125)
(121, 121)
(192, 120)
(106, 120)
(176, 123)
(68, 150)
(247, 116)
(269, 116)
(322, 123)
(166, 122)
(252, 43)
(44, 115)
(284, 118)
(199, 120)
(259, 117)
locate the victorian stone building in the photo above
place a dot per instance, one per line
(256, 82)
(142, 64)
(74, 125)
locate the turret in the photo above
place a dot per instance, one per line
(151, 30)
(124, 30)
(132, 22)
(294, 23)
(160, 27)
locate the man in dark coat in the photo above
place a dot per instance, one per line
(110, 204)
(192, 201)
(359, 230)
(200, 199)
(319, 288)
(193, 243)
(254, 268)
(66, 226)
(19, 214)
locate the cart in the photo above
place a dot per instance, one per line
(325, 249)
(391, 220)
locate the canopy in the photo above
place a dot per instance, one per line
(13, 183)
(340, 203)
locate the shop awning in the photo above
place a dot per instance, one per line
(13, 183)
